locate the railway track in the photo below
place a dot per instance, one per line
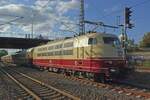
(12, 86)
(35, 89)
(121, 88)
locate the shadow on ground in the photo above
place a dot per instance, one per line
(140, 78)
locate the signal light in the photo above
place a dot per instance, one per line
(130, 26)
(127, 17)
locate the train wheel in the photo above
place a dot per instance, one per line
(50, 69)
(67, 74)
(41, 68)
(99, 78)
(89, 75)
(72, 73)
(76, 74)
(84, 74)
(59, 71)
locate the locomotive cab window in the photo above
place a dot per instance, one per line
(92, 41)
(111, 40)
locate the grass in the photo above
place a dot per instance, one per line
(141, 64)
(146, 64)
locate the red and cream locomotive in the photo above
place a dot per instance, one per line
(95, 55)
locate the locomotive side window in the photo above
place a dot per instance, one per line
(42, 49)
(50, 48)
(68, 52)
(58, 46)
(69, 44)
(58, 53)
(92, 41)
(38, 54)
(50, 53)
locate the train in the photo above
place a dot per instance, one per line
(94, 55)
(7, 59)
(20, 58)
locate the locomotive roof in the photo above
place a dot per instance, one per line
(86, 35)
(29, 50)
(82, 36)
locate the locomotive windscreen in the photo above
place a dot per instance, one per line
(111, 40)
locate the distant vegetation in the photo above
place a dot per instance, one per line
(143, 46)
(146, 64)
(145, 43)
(3, 53)
(140, 53)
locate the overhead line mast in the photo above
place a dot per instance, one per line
(81, 21)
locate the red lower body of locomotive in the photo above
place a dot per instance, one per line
(101, 69)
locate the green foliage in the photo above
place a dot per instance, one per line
(132, 46)
(146, 64)
(3, 53)
(145, 41)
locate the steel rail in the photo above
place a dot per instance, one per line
(119, 88)
(48, 86)
(22, 86)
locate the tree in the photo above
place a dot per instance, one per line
(3, 53)
(131, 45)
(145, 41)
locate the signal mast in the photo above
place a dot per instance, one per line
(127, 25)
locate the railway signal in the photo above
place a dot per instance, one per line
(128, 13)
(127, 24)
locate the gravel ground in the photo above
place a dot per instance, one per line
(3, 91)
(140, 78)
(4, 88)
(85, 92)
(7, 88)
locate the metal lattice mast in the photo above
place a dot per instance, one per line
(81, 21)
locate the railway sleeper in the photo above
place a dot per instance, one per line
(36, 86)
(24, 94)
(44, 95)
(46, 92)
(42, 91)
(24, 97)
(21, 91)
(28, 97)
(55, 96)
(62, 97)
(41, 88)
(52, 93)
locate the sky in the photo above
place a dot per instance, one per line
(53, 18)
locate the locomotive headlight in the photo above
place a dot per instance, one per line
(113, 70)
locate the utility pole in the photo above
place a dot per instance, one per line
(81, 21)
(32, 24)
(32, 29)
